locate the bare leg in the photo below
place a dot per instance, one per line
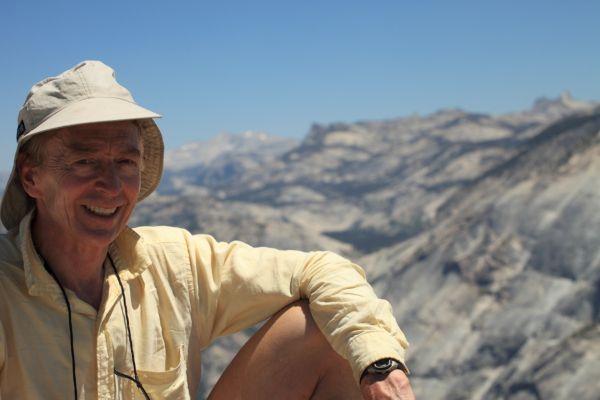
(288, 358)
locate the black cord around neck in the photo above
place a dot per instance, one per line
(135, 377)
(64, 293)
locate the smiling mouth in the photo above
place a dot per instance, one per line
(103, 212)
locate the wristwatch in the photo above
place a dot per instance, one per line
(382, 367)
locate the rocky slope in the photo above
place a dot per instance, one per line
(501, 297)
(481, 230)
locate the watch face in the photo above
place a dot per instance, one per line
(383, 364)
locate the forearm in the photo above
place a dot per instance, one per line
(359, 326)
(240, 285)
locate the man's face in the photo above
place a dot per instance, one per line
(87, 185)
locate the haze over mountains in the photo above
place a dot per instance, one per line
(481, 230)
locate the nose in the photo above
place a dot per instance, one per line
(108, 179)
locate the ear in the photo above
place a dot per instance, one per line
(27, 172)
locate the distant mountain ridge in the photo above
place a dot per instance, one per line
(220, 159)
(428, 157)
(481, 230)
(209, 151)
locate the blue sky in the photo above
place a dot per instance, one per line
(279, 66)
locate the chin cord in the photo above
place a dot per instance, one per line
(135, 377)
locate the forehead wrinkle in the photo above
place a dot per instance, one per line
(59, 143)
(95, 145)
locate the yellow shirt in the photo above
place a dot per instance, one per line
(182, 292)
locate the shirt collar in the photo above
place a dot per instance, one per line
(129, 254)
(127, 251)
(38, 280)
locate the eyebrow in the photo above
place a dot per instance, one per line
(89, 148)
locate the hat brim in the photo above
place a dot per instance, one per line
(92, 110)
(16, 203)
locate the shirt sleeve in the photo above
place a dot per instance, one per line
(239, 285)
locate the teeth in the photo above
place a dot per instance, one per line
(101, 211)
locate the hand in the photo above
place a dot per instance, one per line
(393, 386)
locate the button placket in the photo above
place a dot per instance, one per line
(104, 349)
(104, 352)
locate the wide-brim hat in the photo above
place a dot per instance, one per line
(85, 94)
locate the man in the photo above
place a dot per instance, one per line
(90, 308)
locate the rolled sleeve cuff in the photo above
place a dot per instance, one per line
(365, 349)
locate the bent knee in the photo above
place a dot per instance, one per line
(297, 317)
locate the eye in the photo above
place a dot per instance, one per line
(84, 165)
(128, 161)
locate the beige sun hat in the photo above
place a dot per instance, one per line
(84, 94)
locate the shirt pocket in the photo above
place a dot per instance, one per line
(169, 385)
